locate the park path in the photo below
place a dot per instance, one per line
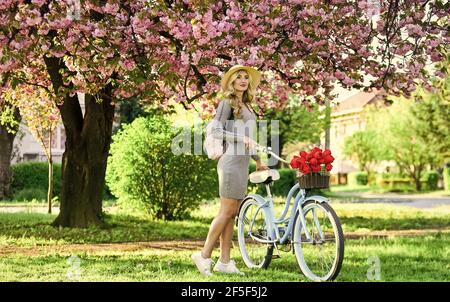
(411, 200)
(176, 245)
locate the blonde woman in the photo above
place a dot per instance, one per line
(238, 86)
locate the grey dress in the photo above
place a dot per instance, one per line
(232, 168)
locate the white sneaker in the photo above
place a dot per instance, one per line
(203, 265)
(227, 268)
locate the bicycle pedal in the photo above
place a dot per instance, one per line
(276, 256)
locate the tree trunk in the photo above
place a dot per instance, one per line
(50, 179)
(84, 160)
(327, 123)
(6, 146)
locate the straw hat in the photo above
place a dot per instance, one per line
(255, 74)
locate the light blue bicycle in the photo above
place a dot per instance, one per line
(312, 231)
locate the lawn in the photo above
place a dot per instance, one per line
(401, 259)
(31, 249)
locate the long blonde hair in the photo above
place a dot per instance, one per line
(247, 97)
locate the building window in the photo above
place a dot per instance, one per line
(30, 157)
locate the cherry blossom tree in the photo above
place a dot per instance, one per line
(38, 110)
(177, 50)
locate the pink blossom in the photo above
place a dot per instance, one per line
(111, 8)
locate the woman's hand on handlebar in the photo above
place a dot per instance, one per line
(260, 166)
(249, 143)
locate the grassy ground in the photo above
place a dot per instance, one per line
(31, 249)
(336, 189)
(401, 259)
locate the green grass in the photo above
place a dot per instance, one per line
(401, 259)
(421, 258)
(336, 189)
(30, 229)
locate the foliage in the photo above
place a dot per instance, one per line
(161, 49)
(447, 179)
(281, 187)
(144, 171)
(34, 175)
(357, 178)
(432, 111)
(366, 148)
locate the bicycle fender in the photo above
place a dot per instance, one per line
(257, 197)
(319, 198)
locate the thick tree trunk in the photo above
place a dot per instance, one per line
(84, 167)
(84, 160)
(6, 146)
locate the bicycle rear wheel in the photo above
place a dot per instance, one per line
(251, 228)
(319, 258)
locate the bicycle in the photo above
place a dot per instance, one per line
(312, 231)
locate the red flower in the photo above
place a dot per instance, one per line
(295, 163)
(305, 169)
(315, 160)
(315, 168)
(328, 159)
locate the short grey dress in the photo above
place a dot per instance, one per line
(232, 168)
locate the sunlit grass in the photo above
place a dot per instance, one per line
(401, 259)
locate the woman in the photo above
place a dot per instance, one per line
(238, 88)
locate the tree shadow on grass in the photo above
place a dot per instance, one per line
(121, 228)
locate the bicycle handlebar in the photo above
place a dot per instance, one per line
(268, 150)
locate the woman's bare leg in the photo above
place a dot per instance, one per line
(225, 242)
(228, 209)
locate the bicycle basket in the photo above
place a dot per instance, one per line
(314, 180)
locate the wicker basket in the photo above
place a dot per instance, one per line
(314, 180)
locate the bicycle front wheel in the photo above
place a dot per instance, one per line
(252, 229)
(320, 256)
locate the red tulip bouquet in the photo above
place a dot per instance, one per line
(314, 167)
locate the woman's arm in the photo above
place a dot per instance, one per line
(223, 112)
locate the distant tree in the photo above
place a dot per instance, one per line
(41, 118)
(366, 148)
(297, 123)
(399, 130)
(432, 111)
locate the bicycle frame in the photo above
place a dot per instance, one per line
(266, 204)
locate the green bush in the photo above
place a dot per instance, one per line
(447, 179)
(359, 178)
(34, 175)
(30, 194)
(280, 187)
(399, 183)
(430, 179)
(143, 171)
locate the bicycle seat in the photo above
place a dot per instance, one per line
(264, 176)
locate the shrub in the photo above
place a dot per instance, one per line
(430, 179)
(143, 171)
(34, 175)
(358, 178)
(28, 176)
(281, 187)
(447, 179)
(400, 183)
(30, 194)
